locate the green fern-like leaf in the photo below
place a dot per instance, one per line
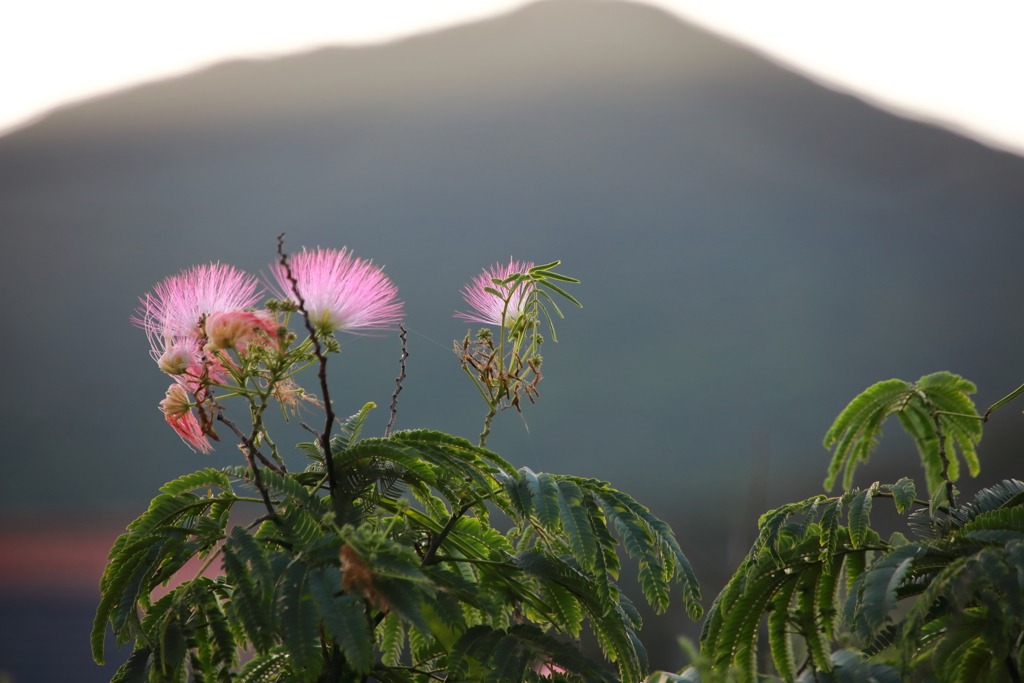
(506, 665)
(544, 498)
(350, 429)
(614, 639)
(250, 552)
(855, 431)
(854, 567)
(404, 598)
(247, 603)
(878, 596)
(941, 397)
(116, 578)
(297, 618)
(223, 645)
(778, 631)
(392, 639)
(639, 542)
(826, 594)
(474, 644)
(170, 654)
(577, 524)
(345, 618)
(1006, 519)
(904, 493)
(711, 632)
(654, 582)
(860, 515)
(550, 568)
(137, 668)
(818, 645)
(739, 628)
(566, 609)
(670, 550)
(457, 447)
(167, 509)
(265, 668)
(201, 479)
(829, 535)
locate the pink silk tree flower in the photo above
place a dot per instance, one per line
(177, 410)
(489, 307)
(171, 314)
(340, 292)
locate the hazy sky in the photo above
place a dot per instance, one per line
(955, 63)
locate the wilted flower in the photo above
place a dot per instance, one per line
(234, 329)
(172, 313)
(489, 307)
(340, 292)
(288, 393)
(177, 410)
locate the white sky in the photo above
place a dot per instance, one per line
(957, 63)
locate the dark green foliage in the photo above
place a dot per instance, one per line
(965, 574)
(903, 493)
(940, 397)
(379, 561)
(402, 558)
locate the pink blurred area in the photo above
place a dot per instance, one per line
(53, 557)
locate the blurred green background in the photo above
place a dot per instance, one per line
(754, 251)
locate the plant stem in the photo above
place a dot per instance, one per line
(1003, 401)
(946, 412)
(398, 383)
(942, 447)
(325, 436)
(245, 442)
(492, 563)
(428, 557)
(887, 494)
(487, 424)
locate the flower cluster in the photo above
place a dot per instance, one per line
(196, 319)
(510, 297)
(491, 307)
(206, 332)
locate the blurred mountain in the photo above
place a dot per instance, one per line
(754, 250)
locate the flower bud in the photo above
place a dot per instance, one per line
(176, 359)
(176, 401)
(231, 329)
(177, 410)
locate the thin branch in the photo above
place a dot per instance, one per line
(256, 522)
(245, 442)
(398, 384)
(491, 563)
(325, 437)
(887, 494)
(973, 417)
(945, 463)
(257, 479)
(414, 670)
(248, 449)
(435, 543)
(487, 424)
(942, 449)
(1003, 401)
